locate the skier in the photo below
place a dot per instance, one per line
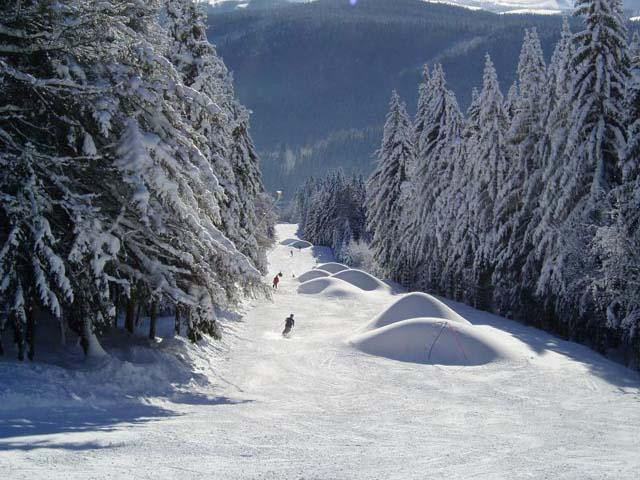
(276, 280)
(288, 325)
(292, 253)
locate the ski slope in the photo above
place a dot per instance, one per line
(314, 406)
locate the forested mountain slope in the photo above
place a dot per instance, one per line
(313, 72)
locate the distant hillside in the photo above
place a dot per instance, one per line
(309, 71)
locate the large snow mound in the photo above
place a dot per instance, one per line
(362, 280)
(330, 287)
(312, 274)
(333, 267)
(288, 241)
(415, 305)
(300, 244)
(433, 341)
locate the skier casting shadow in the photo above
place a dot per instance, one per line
(288, 325)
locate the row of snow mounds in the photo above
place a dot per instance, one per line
(313, 274)
(433, 341)
(296, 243)
(362, 280)
(330, 287)
(415, 305)
(332, 267)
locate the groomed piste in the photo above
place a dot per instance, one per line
(330, 287)
(415, 305)
(333, 267)
(433, 341)
(313, 274)
(362, 280)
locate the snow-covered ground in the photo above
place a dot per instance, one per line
(313, 406)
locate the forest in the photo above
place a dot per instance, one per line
(128, 177)
(313, 73)
(527, 205)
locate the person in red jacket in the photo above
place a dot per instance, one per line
(276, 280)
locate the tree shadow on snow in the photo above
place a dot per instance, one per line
(188, 398)
(540, 341)
(322, 254)
(24, 430)
(32, 430)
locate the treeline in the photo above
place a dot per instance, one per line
(330, 65)
(529, 205)
(127, 175)
(330, 211)
(287, 167)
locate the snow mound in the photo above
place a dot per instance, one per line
(330, 287)
(433, 341)
(300, 244)
(288, 241)
(415, 305)
(362, 280)
(313, 274)
(333, 267)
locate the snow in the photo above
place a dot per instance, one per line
(333, 267)
(312, 274)
(362, 280)
(435, 341)
(414, 305)
(257, 406)
(300, 244)
(288, 241)
(331, 288)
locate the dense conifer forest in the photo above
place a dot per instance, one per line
(527, 205)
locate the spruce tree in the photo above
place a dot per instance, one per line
(386, 183)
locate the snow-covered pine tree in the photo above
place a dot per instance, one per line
(386, 183)
(255, 219)
(458, 260)
(55, 246)
(511, 100)
(590, 170)
(222, 126)
(433, 177)
(488, 155)
(512, 210)
(618, 244)
(535, 214)
(405, 268)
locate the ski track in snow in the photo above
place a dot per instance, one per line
(312, 407)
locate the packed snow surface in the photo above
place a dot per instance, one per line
(362, 280)
(435, 341)
(414, 305)
(259, 406)
(330, 287)
(333, 267)
(312, 274)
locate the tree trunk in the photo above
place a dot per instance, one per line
(153, 316)
(130, 314)
(138, 313)
(18, 339)
(31, 333)
(116, 296)
(177, 324)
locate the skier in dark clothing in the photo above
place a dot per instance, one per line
(276, 280)
(288, 325)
